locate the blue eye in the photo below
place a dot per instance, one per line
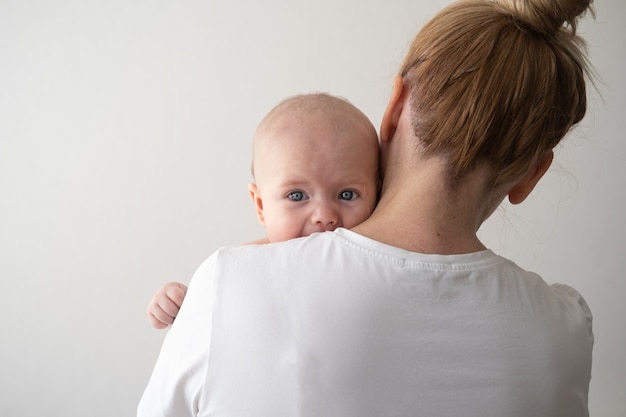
(296, 196)
(348, 195)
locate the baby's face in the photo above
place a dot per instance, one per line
(315, 179)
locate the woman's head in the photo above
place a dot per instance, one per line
(498, 82)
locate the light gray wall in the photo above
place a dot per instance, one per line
(125, 131)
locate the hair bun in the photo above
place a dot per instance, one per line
(545, 16)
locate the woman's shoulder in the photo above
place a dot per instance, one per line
(571, 298)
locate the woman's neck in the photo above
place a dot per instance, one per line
(421, 212)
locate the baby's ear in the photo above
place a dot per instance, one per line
(523, 188)
(258, 202)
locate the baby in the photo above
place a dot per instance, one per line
(315, 168)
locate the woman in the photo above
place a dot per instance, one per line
(408, 313)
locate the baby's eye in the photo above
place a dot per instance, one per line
(296, 196)
(348, 195)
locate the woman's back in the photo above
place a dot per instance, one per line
(390, 332)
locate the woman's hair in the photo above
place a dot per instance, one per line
(497, 81)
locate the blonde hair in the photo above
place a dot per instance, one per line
(498, 81)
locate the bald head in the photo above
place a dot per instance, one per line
(327, 115)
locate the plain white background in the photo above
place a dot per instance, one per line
(125, 136)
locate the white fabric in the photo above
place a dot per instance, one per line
(337, 324)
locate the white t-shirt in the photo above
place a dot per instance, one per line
(337, 324)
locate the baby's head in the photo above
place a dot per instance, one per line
(315, 167)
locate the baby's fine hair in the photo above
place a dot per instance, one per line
(497, 81)
(336, 111)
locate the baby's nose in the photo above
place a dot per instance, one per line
(326, 216)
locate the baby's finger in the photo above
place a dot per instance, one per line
(177, 294)
(156, 322)
(169, 307)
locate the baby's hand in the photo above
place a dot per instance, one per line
(165, 304)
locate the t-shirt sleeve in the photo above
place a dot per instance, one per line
(567, 291)
(178, 377)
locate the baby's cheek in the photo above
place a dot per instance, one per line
(356, 218)
(286, 228)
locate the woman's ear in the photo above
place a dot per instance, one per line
(524, 187)
(258, 202)
(393, 111)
